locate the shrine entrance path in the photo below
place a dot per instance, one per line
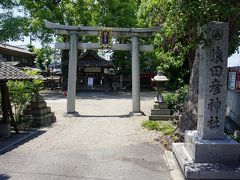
(103, 143)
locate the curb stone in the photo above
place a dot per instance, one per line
(175, 171)
(17, 141)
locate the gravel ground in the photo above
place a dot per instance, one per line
(103, 143)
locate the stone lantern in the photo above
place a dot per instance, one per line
(160, 110)
(160, 80)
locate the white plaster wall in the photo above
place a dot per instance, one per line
(233, 105)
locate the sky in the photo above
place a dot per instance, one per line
(36, 44)
(234, 60)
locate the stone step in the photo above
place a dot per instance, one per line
(160, 111)
(41, 111)
(160, 106)
(44, 122)
(45, 116)
(160, 118)
(38, 105)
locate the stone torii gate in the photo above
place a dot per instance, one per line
(74, 45)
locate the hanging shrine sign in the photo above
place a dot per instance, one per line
(105, 38)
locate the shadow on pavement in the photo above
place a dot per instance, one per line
(120, 116)
(4, 177)
(18, 139)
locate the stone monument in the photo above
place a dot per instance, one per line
(160, 109)
(39, 112)
(208, 153)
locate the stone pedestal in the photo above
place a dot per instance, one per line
(215, 151)
(5, 130)
(160, 112)
(208, 153)
(39, 113)
(193, 170)
(208, 159)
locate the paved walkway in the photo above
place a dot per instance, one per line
(104, 143)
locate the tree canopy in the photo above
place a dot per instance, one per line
(12, 27)
(175, 44)
(180, 19)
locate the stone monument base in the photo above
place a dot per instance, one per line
(160, 112)
(208, 159)
(5, 130)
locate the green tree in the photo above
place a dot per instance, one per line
(117, 13)
(43, 57)
(12, 27)
(177, 42)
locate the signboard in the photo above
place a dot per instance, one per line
(90, 81)
(105, 38)
(237, 79)
(231, 80)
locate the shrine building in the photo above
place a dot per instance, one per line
(93, 72)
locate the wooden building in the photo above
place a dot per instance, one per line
(10, 53)
(93, 72)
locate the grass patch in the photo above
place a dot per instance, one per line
(151, 125)
(168, 133)
(165, 127)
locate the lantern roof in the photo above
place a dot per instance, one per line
(160, 77)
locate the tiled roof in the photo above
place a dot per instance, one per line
(97, 61)
(9, 72)
(14, 48)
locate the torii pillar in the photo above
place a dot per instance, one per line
(72, 74)
(135, 77)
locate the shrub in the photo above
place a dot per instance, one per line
(21, 93)
(182, 94)
(20, 96)
(171, 99)
(174, 98)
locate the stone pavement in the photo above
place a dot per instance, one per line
(103, 143)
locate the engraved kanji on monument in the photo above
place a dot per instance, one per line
(213, 82)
